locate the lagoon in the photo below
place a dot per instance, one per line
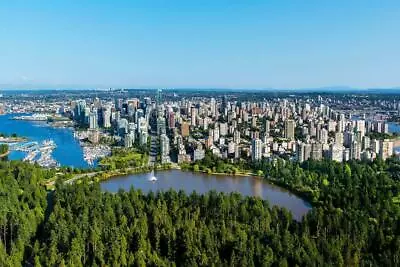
(202, 183)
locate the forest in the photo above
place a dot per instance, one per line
(354, 221)
(3, 149)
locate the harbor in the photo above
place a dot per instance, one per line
(67, 150)
(40, 153)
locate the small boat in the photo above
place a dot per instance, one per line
(152, 177)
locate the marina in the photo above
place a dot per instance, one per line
(38, 153)
(66, 152)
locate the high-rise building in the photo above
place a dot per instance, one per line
(267, 128)
(289, 129)
(143, 137)
(171, 120)
(159, 97)
(256, 149)
(336, 152)
(107, 118)
(223, 129)
(198, 154)
(79, 111)
(129, 139)
(303, 152)
(385, 128)
(323, 136)
(122, 127)
(213, 107)
(216, 134)
(193, 116)
(254, 121)
(375, 146)
(360, 127)
(316, 151)
(164, 145)
(184, 129)
(366, 143)
(231, 147)
(161, 127)
(236, 137)
(355, 150)
(93, 120)
(386, 149)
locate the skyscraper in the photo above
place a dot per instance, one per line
(256, 149)
(289, 129)
(159, 97)
(164, 142)
(93, 120)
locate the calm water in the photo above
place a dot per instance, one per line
(393, 127)
(68, 151)
(202, 183)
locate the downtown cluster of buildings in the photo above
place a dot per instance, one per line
(126, 120)
(186, 128)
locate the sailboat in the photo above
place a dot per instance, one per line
(152, 177)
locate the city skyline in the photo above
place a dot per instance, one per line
(232, 45)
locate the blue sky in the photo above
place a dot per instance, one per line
(205, 44)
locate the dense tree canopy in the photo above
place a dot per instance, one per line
(354, 221)
(3, 149)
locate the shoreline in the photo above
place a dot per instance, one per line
(5, 154)
(305, 196)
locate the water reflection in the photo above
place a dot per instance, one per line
(202, 183)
